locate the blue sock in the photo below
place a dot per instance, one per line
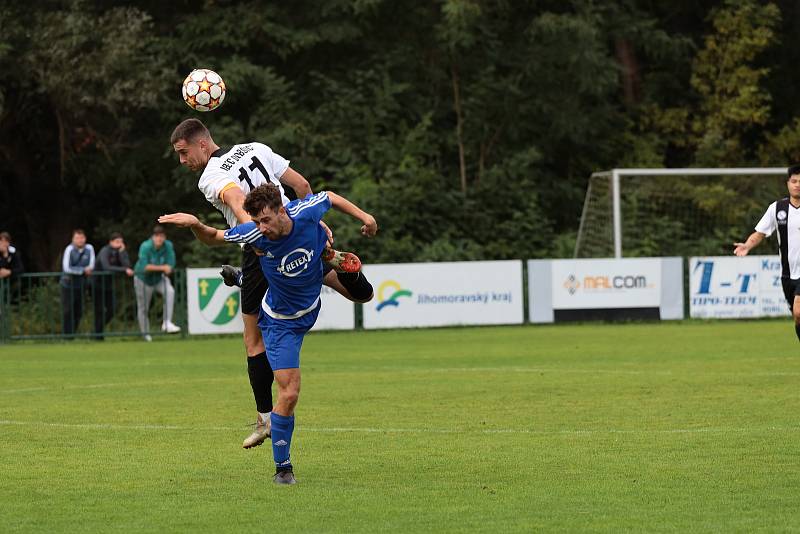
(282, 428)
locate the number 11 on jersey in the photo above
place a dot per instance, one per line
(255, 163)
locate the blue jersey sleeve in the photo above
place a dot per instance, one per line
(313, 206)
(243, 233)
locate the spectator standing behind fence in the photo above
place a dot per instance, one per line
(10, 260)
(156, 262)
(77, 264)
(113, 260)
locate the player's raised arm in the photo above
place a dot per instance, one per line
(206, 234)
(742, 249)
(339, 203)
(301, 187)
(295, 180)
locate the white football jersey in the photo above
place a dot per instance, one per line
(246, 166)
(787, 216)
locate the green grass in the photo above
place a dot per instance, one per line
(658, 427)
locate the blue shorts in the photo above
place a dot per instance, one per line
(284, 337)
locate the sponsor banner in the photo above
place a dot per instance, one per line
(728, 287)
(337, 312)
(215, 308)
(441, 294)
(606, 283)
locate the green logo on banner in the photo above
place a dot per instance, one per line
(219, 304)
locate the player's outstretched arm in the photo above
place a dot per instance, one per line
(208, 235)
(339, 203)
(742, 249)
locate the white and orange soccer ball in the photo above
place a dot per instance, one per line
(203, 90)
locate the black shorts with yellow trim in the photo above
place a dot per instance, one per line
(254, 285)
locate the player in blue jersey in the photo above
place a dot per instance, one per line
(290, 242)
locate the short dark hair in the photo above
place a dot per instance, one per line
(263, 196)
(794, 169)
(158, 229)
(114, 235)
(189, 130)
(78, 231)
(5, 236)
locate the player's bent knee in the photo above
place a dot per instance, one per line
(251, 334)
(254, 348)
(289, 397)
(253, 342)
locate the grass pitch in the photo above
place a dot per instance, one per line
(657, 427)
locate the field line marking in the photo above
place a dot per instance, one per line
(121, 384)
(385, 369)
(545, 370)
(407, 370)
(512, 369)
(375, 430)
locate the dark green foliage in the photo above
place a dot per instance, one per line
(468, 128)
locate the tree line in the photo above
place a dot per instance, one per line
(467, 127)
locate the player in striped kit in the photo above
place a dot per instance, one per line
(784, 216)
(227, 176)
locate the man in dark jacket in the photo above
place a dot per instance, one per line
(112, 261)
(10, 260)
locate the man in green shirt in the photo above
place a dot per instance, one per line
(156, 262)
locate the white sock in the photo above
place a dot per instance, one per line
(264, 416)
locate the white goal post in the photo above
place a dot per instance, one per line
(614, 195)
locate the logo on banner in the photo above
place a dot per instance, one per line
(572, 284)
(741, 284)
(218, 303)
(606, 283)
(394, 292)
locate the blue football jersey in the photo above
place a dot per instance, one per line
(292, 264)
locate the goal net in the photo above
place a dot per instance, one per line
(674, 212)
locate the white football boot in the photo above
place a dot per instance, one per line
(260, 433)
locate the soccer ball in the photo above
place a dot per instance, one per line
(203, 90)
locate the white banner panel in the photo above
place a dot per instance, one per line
(605, 289)
(606, 283)
(448, 293)
(337, 312)
(215, 308)
(728, 287)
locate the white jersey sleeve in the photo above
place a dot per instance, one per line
(212, 183)
(768, 222)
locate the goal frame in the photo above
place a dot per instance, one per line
(614, 176)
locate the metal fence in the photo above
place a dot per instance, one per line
(52, 306)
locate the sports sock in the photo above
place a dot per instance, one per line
(357, 285)
(261, 381)
(797, 330)
(282, 428)
(264, 415)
